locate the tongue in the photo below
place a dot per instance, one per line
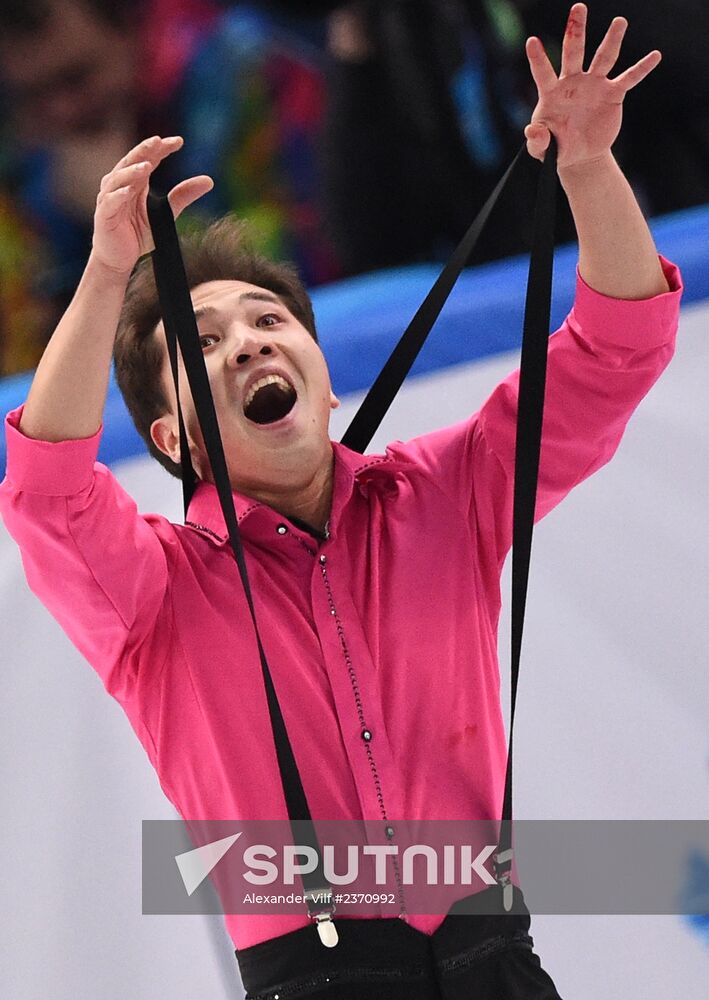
(270, 403)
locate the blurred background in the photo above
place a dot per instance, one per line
(360, 140)
(355, 137)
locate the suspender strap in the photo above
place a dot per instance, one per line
(532, 381)
(530, 412)
(180, 326)
(365, 422)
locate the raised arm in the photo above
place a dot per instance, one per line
(583, 110)
(615, 343)
(68, 392)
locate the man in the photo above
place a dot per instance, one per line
(425, 106)
(389, 689)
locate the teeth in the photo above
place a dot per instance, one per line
(266, 380)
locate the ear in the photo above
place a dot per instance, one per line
(334, 401)
(165, 437)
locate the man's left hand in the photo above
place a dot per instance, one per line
(583, 110)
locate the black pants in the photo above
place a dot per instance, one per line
(470, 957)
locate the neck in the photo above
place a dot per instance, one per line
(310, 501)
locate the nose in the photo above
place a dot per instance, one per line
(247, 351)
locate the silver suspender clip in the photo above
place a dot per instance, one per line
(321, 909)
(502, 863)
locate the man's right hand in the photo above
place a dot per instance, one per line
(121, 228)
(68, 392)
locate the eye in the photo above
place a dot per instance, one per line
(271, 317)
(206, 336)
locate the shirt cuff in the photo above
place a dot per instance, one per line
(50, 468)
(625, 322)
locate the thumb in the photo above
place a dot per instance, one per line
(538, 138)
(188, 191)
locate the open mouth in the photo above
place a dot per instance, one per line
(270, 399)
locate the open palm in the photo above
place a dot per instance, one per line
(582, 109)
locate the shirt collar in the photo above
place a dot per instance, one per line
(205, 513)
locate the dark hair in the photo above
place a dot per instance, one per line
(222, 251)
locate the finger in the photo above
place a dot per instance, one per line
(542, 70)
(608, 51)
(633, 76)
(153, 149)
(113, 203)
(136, 173)
(189, 191)
(538, 138)
(574, 45)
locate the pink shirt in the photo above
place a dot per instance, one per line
(417, 541)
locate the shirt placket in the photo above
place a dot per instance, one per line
(355, 692)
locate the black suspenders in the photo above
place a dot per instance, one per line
(180, 326)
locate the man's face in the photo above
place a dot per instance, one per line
(270, 385)
(71, 77)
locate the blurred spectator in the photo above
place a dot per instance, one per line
(86, 79)
(664, 144)
(428, 99)
(428, 102)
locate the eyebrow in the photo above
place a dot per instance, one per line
(202, 311)
(260, 297)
